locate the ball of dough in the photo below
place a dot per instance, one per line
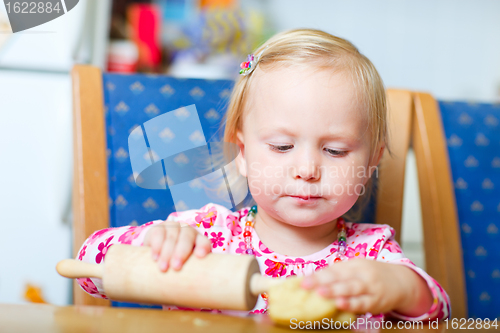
(288, 300)
(345, 317)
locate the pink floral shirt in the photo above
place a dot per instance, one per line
(225, 230)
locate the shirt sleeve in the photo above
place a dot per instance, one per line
(391, 252)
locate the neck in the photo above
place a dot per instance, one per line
(292, 240)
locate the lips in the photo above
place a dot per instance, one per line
(305, 197)
(304, 200)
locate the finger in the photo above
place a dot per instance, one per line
(357, 304)
(168, 247)
(155, 240)
(183, 247)
(147, 238)
(202, 246)
(327, 276)
(350, 288)
(342, 289)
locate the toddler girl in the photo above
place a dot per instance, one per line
(309, 116)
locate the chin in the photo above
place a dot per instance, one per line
(301, 217)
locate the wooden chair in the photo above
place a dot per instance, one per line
(413, 117)
(90, 173)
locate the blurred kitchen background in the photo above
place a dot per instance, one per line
(450, 48)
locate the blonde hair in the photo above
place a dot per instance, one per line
(324, 51)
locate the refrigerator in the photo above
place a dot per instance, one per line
(36, 146)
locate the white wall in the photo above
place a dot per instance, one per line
(36, 147)
(450, 48)
(80, 35)
(35, 164)
(50, 46)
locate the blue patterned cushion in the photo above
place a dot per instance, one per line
(473, 136)
(131, 100)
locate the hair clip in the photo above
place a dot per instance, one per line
(248, 66)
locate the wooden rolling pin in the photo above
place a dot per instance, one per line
(217, 281)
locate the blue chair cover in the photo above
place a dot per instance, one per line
(473, 137)
(131, 100)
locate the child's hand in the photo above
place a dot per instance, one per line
(362, 286)
(172, 243)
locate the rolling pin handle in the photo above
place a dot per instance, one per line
(260, 284)
(73, 269)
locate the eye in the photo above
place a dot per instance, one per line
(282, 149)
(336, 153)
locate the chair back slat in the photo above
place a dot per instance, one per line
(90, 175)
(390, 185)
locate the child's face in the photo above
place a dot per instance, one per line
(305, 135)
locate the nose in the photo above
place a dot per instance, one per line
(308, 167)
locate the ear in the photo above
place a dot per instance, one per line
(379, 154)
(376, 159)
(240, 159)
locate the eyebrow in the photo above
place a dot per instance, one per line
(284, 130)
(287, 131)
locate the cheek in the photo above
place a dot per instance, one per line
(346, 182)
(265, 171)
(358, 167)
(346, 192)
(265, 180)
(348, 173)
(257, 180)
